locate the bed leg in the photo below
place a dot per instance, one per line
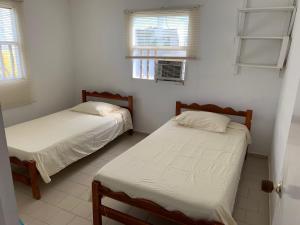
(97, 197)
(33, 175)
(130, 132)
(246, 155)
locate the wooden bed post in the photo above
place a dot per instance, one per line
(33, 175)
(97, 197)
(130, 105)
(130, 108)
(84, 96)
(249, 114)
(178, 108)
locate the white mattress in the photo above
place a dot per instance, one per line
(185, 169)
(57, 140)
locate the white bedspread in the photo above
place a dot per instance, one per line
(185, 169)
(57, 140)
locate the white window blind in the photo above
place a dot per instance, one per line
(14, 83)
(172, 31)
(11, 66)
(162, 34)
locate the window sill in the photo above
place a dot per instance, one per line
(143, 79)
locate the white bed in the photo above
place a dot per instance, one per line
(188, 170)
(57, 140)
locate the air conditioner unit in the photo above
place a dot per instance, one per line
(170, 70)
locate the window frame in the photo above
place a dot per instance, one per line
(18, 44)
(146, 58)
(17, 92)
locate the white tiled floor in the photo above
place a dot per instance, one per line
(65, 200)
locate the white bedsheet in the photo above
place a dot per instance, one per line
(185, 169)
(57, 140)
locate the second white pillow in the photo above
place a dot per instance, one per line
(204, 121)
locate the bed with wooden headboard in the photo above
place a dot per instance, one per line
(66, 132)
(181, 174)
(110, 96)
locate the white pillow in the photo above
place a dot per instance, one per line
(96, 108)
(204, 121)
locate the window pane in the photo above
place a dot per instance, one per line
(160, 31)
(144, 68)
(17, 61)
(136, 63)
(10, 62)
(7, 25)
(144, 64)
(7, 62)
(151, 69)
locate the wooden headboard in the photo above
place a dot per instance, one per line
(110, 96)
(216, 109)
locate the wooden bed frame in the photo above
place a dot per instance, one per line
(99, 191)
(31, 178)
(248, 114)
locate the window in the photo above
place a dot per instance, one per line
(160, 35)
(14, 82)
(11, 63)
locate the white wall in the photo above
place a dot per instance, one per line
(100, 64)
(285, 109)
(297, 107)
(48, 48)
(8, 208)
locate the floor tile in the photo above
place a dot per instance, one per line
(32, 206)
(86, 195)
(253, 218)
(248, 204)
(69, 203)
(60, 218)
(53, 196)
(239, 214)
(72, 188)
(80, 221)
(84, 209)
(81, 178)
(52, 215)
(22, 199)
(28, 220)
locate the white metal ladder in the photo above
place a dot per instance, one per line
(241, 14)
